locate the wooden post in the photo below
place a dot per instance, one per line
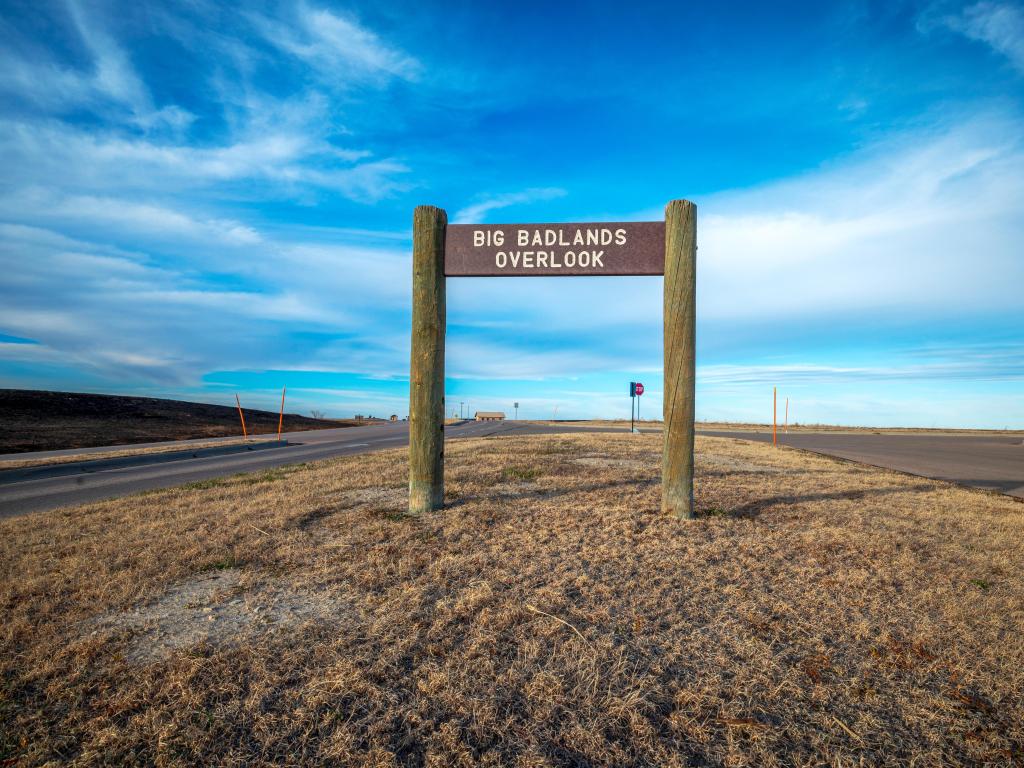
(426, 376)
(245, 434)
(280, 419)
(680, 357)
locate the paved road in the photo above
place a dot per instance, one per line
(993, 462)
(986, 461)
(80, 483)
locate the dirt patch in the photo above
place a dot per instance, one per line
(722, 463)
(213, 609)
(378, 495)
(604, 461)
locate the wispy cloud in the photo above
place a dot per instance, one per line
(289, 305)
(109, 80)
(141, 221)
(998, 25)
(290, 140)
(337, 47)
(54, 155)
(1010, 367)
(113, 73)
(475, 214)
(894, 227)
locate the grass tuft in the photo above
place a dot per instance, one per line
(520, 473)
(196, 485)
(267, 476)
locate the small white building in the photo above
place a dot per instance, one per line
(489, 416)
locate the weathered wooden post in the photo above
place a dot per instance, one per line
(680, 340)
(426, 378)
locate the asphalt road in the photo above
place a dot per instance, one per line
(992, 462)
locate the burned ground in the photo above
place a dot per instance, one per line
(818, 612)
(43, 421)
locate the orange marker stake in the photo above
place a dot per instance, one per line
(775, 439)
(245, 434)
(280, 420)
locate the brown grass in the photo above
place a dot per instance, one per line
(818, 613)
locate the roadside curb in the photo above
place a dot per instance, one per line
(46, 471)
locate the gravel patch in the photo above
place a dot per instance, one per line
(214, 609)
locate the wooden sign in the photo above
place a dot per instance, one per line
(523, 250)
(440, 251)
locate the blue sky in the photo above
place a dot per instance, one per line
(200, 199)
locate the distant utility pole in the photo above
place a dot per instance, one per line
(632, 404)
(460, 410)
(786, 428)
(775, 440)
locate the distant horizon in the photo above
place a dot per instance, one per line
(385, 413)
(199, 200)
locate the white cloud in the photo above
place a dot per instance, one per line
(110, 80)
(999, 25)
(338, 47)
(474, 214)
(141, 220)
(290, 143)
(129, 317)
(957, 364)
(113, 73)
(201, 288)
(53, 154)
(45, 83)
(926, 222)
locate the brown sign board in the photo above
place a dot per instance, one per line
(520, 250)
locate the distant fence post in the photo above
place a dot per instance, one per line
(426, 379)
(245, 433)
(680, 357)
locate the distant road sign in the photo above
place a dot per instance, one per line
(639, 389)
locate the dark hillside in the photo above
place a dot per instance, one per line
(33, 420)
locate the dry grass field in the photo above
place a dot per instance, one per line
(818, 613)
